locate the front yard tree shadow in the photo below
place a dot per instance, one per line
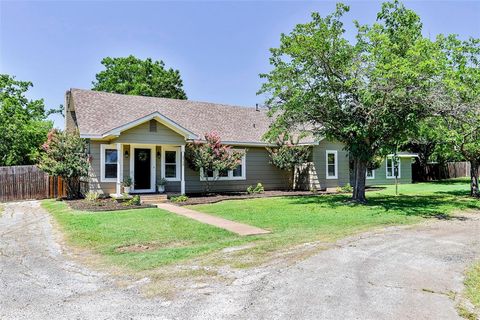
(437, 204)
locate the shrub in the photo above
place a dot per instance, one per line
(162, 182)
(127, 181)
(135, 201)
(257, 189)
(345, 189)
(92, 196)
(180, 198)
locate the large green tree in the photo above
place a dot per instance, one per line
(368, 94)
(23, 123)
(133, 76)
(458, 99)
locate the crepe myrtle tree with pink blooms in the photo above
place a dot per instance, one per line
(210, 157)
(65, 156)
(289, 156)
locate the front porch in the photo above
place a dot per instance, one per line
(146, 165)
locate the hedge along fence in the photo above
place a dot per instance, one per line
(29, 182)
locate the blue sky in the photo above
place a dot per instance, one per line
(219, 47)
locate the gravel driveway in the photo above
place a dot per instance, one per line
(396, 273)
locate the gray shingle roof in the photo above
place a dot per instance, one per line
(99, 112)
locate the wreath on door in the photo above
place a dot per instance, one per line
(142, 156)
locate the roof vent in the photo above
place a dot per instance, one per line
(153, 125)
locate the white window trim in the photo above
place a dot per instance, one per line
(177, 163)
(230, 176)
(152, 166)
(102, 161)
(373, 175)
(393, 168)
(335, 153)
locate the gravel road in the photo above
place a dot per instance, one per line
(395, 273)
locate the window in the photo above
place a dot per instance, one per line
(210, 173)
(332, 164)
(223, 173)
(370, 174)
(109, 162)
(236, 174)
(171, 164)
(390, 168)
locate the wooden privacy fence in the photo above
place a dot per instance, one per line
(29, 182)
(436, 171)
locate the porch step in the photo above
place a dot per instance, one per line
(153, 198)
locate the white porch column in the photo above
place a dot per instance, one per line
(182, 182)
(118, 190)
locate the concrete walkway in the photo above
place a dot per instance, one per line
(235, 227)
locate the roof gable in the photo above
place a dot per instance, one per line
(172, 125)
(101, 114)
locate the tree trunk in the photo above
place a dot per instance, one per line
(292, 180)
(207, 185)
(360, 175)
(474, 191)
(72, 185)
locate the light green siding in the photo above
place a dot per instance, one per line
(94, 176)
(318, 172)
(142, 134)
(318, 168)
(258, 169)
(126, 161)
(381, 173)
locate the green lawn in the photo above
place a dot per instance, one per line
(472, 285)
(171, 237)
(300, 219)
(293, 220)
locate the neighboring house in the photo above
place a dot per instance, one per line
(145, 138)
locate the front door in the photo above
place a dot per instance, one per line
(142, 169)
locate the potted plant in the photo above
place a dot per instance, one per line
(127, 183)
(161, 185)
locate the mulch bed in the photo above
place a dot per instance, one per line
(194, 199)
(107, 204)
(205, 199)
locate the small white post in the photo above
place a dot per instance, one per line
(182, 182)
(119, 169)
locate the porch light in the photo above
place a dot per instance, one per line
(126, 154)
(158, 155)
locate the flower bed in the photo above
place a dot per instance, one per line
(107, 204)
(204, 199)
(199, 198)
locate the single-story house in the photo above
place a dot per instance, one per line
(145, 137)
